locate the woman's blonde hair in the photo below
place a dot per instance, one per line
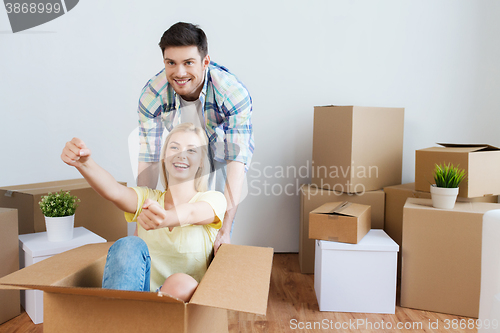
(201, 176)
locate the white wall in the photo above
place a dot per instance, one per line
(81, 74)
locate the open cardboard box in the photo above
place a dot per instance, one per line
(480, 161)
(344, 222)
(237, 279)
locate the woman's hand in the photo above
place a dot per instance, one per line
(75, 153)
(152, 216)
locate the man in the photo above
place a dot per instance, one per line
(191, 88)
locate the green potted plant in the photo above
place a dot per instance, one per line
(447, 178)
(59, 211)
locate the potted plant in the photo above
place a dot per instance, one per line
(59, 211)
(445, 191)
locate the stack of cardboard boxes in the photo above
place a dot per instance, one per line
(356, 152)
(442, 248)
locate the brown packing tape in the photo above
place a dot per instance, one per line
(340, 207)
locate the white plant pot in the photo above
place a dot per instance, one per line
(443, 198)
(60, 229)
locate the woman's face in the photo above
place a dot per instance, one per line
(183, 156)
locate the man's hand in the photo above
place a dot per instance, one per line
(152, 216)
(75, 153)
(222, 238)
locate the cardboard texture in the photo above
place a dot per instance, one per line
(344, 222)
(94, 212)
(357, 149)
(442, 256)
(36, 247)
(481, 163)
(74, 301)
(10, 305)
(311, 197)
(357, 277)
(395, 198)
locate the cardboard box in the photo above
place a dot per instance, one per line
(357, 277)
(481, 164)
(74, 301)
(94, 212)
(10, 305)
(36, 247)
(344, 222)
(442, 256)
(311, 197)
(395, 198)
(357, 149)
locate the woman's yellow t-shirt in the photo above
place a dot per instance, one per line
(186, 249)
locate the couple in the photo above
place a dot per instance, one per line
(178, 229)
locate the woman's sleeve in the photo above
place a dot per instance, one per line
(142, 194)
(218, 202)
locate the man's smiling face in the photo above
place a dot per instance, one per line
(184, 69)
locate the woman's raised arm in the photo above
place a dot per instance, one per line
(76, 154)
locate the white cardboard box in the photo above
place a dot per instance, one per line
(36, 247)
(357, 277)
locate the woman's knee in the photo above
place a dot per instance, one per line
(128, 248)
(180, 285)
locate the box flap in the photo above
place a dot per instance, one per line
(75, 272)
(238, 279)
(470, 146)
(42, 188)
(345, 208)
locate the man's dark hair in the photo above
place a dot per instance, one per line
(185, 34)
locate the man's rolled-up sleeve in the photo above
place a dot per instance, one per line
(238, 129)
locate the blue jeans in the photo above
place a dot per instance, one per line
(128, 265)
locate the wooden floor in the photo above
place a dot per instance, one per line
(293, 308)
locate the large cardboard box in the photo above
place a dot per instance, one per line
(357, 149)
(357, 277)
(442, 256)
(10, 305)
(481, 164)
(94, 212)
(36, 247)
(344, 222)
(237, 279)
(311, 197)
(395, 199)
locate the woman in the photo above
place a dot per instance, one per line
(176, 228)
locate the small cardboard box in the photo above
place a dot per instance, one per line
(312, 197)
(442, 256)
(237, 279)
(395, 198)
(357, 149)
(36, 247)
(357, 277)
(480, 161)
(344, 222)
(94, 212)
(10, 305)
